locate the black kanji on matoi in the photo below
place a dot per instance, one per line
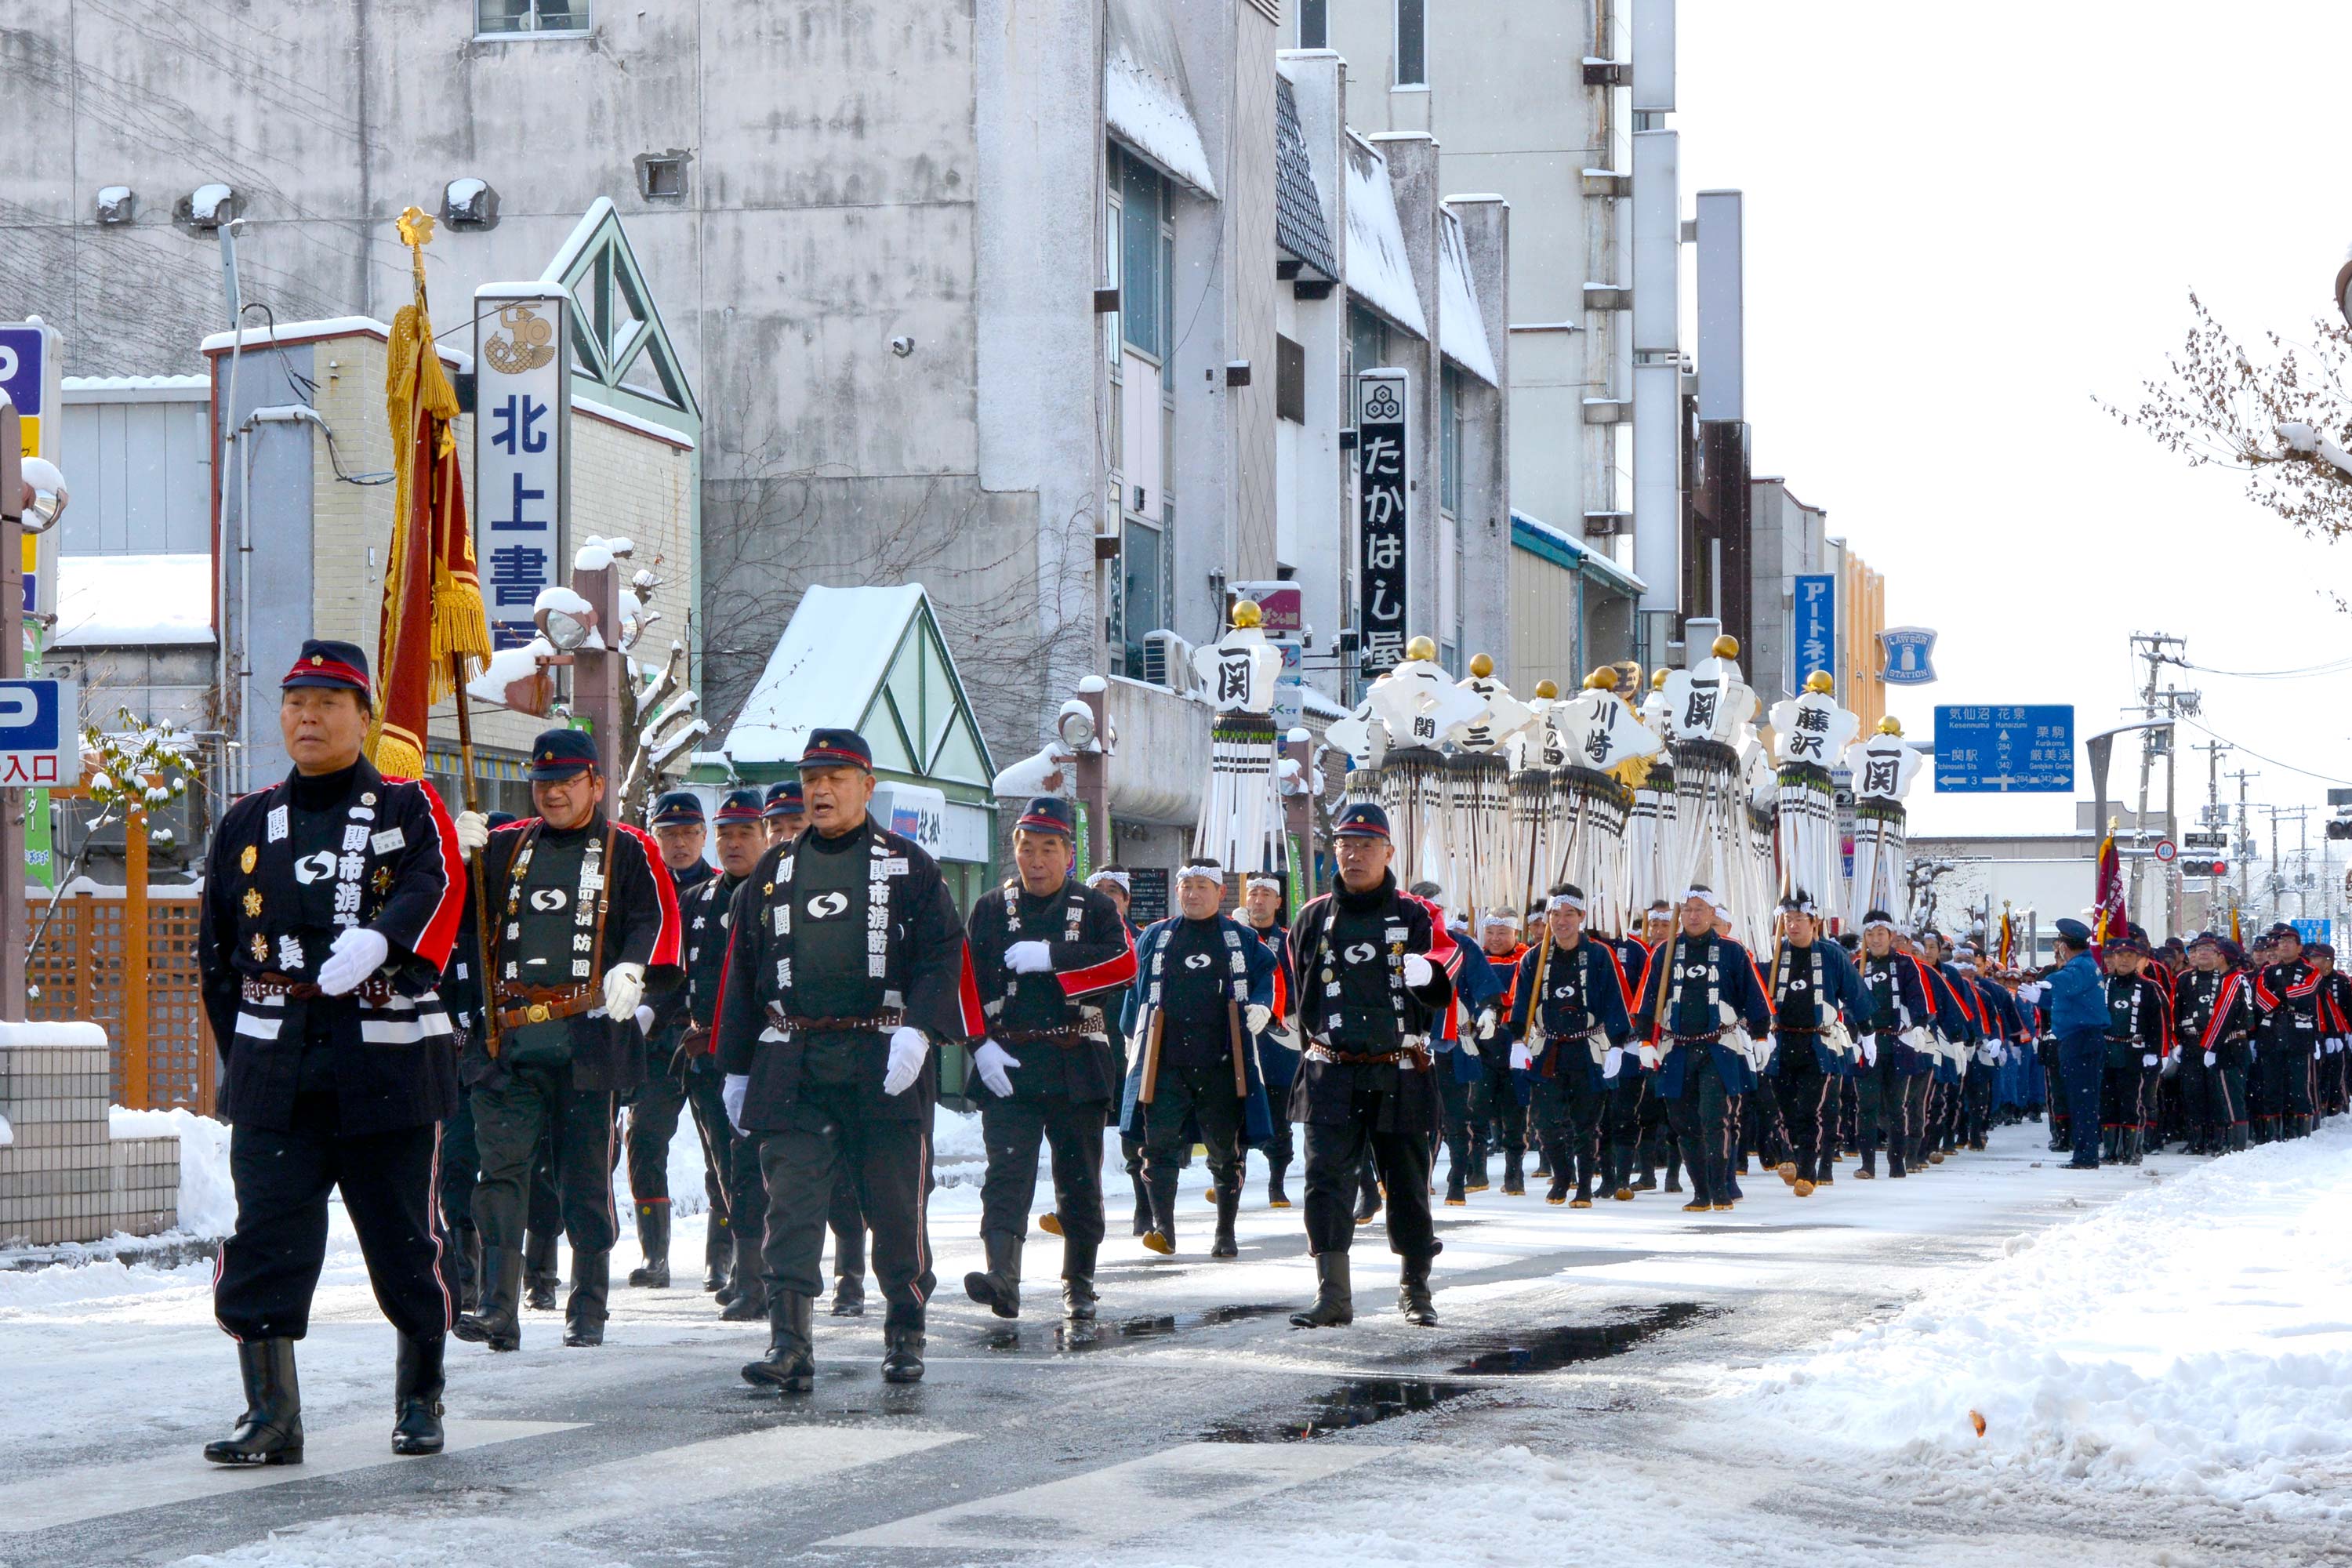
(330, 902)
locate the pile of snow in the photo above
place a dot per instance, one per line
(2192, 1341)
(207, 1195)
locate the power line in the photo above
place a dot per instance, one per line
(2323, 778)
(2333, 668)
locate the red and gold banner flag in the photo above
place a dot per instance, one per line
(432, 594)
(2107, 893)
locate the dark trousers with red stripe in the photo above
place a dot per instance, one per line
(889, 1161)
(269, 1266)
(510, 1117)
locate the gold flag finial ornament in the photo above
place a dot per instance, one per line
(415, 225)
(1890, 725)
(1547, 690)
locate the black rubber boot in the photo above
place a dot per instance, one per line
(1276, 1197)
(495, 1321)
(746, 1297)
(270, 1430)
(540, 1283)
(1620, 1176)
(592, 1288)
(790, 1365)
(1079, 1281)
(718, 1250)
(417, 1384)
(1584, 1174)
(468, 1245)
(653, 1235)
(1515, 1183)
(902, 1345)
(1142, 1205)
(849, 1295)
(1480, 1153)
(1368, 1196)
(998, 1287)
(1160, 1236)
(1455, 1197)
(1228, 1204)
(1335, 1303)
(1413, 1294)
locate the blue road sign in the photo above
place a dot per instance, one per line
(40, 734)
(2001, 751)
(2310, 931)
(22, 348)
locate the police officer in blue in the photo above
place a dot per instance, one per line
(1813, 985)
(330, 904)
(2079, 1018)
(672, 1080)
(1700, 986)
(1570, 1040)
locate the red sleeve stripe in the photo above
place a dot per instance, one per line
(1443, 949)
(441, 931)
(1619, 968)
(665, 940)
(1116, 971)
(975, 1020)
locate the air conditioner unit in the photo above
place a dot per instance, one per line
(1167, 661)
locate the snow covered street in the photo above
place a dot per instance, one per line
(2162, 1359)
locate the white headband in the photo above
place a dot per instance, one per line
(1275, 883)
(1800, 907)
(1565, 901)
(1099, 878)
(1881, 925)
(1200, 874)
(1500, 918)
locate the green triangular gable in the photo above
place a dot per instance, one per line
(619, 342)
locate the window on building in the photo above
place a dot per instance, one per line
(1412, 44)
(1140, 241)
(1449, 440)
(1142, 197)
(1139, 594)
(1368, 341)
(1314, 24)
(1289, 379)
(532, 15)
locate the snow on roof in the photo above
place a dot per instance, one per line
(1461, 325)
(824, 671)
(134, 601)
(628, 421)
(1379, 268)
(581, 233)
(1145, 102)
(149, 388)
(282, 333)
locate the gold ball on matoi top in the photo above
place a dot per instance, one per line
(1421, 648)
(1658, 678)
(1823, 681)
(1601, 679)
(1890, 725)
(1247, 614)
(1726, 647)
(1481, 666)
(1547, 690)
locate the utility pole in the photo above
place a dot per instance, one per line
(2152, 646)
(2212, 749)
(2242, 846)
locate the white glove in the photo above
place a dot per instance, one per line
(624, 987)
(991, 1059)
(1870, 1050)
(358, 953)
(1649, 1055)
(2148, 1059)
(1522, 1059)
(1029, 957)
(1254, 1018)
(908, 1049)
(644, 1018)
(731, 1094)
(2211, 1060)
(473, 830)
(1416, 970)
(1486, 1023)
(1612, 1062)
(1469, 1047)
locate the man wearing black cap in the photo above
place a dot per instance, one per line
(2213, 1020)
(1569, 1030)
(784, 811)
(330, 905)
(846, 963)
(2287, 1002)
(1375, 975)
(1277, 1053)
(680, 831)
(2138, 1032)
(1700, 987)
(461, 1165)
(584, 928)
(1048, 957)
(2336, 1025)
(2079, 1018)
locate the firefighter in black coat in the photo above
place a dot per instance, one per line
(672, 1083)
(1047, 958)
(845, 966)
(2139, 1031)
(1375, 976)
(330, 905)
(739, 1218)
(2288, 1035)
(583, 928)
(2213, 1023)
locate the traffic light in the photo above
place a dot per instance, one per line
(2204, 868)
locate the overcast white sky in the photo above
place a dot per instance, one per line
(1962, 224)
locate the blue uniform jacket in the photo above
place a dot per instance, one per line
(1602, 980)
(1477, 984)
(1258, 1119)
(1843, 982)
(1741, 989)
(2078, 999)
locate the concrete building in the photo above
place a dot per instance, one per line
(1021, 302)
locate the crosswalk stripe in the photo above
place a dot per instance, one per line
(1152, 1493)
(693, 1473)
(181, 1475)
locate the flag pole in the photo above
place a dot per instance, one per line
(474, 860)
